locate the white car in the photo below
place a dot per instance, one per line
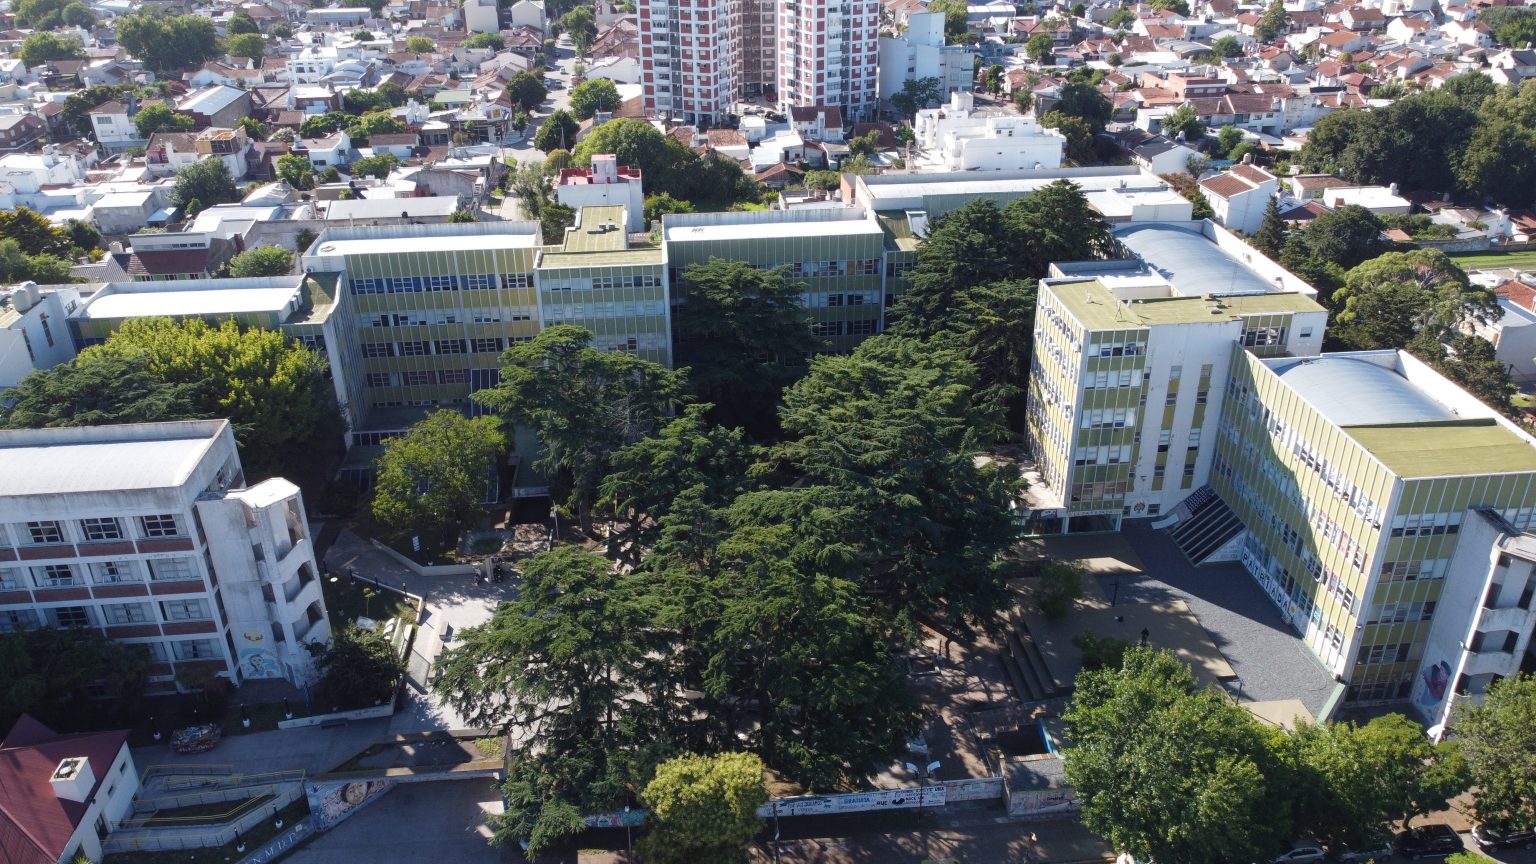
(1310, 854)
(1378, 852)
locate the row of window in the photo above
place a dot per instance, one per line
(419, 284)
(842, 328)
(99, 572)
(602, 283)
(417, 347)
(417, 378)
(52, 531)
(110, 614)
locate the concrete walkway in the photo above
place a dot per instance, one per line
(311, 748)
(453, 604)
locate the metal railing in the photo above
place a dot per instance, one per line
(154, 839)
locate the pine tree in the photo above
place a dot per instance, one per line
(1270, 238)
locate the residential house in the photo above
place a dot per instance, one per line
(217, 106)
(1239, 197)
(1159, 155)
(1512, 66)
(605, 184)
(160, 257)
(528, 13)
(334, 150)
(20, 132)
(61, 795)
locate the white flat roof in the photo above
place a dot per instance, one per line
(390, 245)
(211, 301)
(983, 186)
(771, 230)
(103, 458)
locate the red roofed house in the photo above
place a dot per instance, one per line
(61, 794)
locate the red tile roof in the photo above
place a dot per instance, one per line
(1518, 293)
(35, 824)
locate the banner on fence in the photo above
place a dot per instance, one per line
(856, 802)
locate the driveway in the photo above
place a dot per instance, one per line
(415, 823)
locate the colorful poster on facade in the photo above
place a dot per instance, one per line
(1437, 679)
(257, 659)
(334, 801)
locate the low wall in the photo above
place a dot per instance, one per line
(426, 570)
(974, 789)
(1471, 244)
(377, 711)
(163, 838)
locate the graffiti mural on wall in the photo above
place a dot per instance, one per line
(333, 801)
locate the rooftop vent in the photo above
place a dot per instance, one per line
(73, 780)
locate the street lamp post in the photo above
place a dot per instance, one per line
(629, 842)
(923, 774)
(776, 832)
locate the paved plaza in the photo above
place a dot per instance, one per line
(442, 821)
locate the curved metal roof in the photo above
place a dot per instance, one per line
(1193, 264)
(1351, 392)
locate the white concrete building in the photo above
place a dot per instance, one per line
(920, 53)
(148, 533)
(1240, 196)
(606, 183)
(482, 16)
(34, 330)
(1482, 622)
(61, 794)
(528, 13)
(963, 141)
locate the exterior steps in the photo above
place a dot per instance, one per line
(1025, 666)
(1206, 530)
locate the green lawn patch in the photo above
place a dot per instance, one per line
(346, 602)
(1524, 260)
(213, 813)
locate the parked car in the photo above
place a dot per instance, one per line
(1494, 837)
(1307, 853)
(1377, 852)
(1427, 841)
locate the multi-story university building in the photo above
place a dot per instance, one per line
(698, 57)
(146, 533)
(1380, 506)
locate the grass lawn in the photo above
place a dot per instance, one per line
(254, 838)
(347, 602)
(1524, 400)
(1524, 260)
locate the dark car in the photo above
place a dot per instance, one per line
(1495, 837)
(1427, 841)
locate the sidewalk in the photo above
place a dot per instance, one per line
(982, 836)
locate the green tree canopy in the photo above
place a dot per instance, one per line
(916, 94)
(358, 668)
(378, 165)
(95, 390)
(1183, 120)
(160, 118)
(274, 391)
(657, 206)
(1388, 301)
(433, 479)
(1271, 236)
(59, 676)
(705, 808)
(33, 233)
(1330, 245)
(743, 334)
(583, 403)
(893, 431)
(527, 91)
(419, 45)
(492, 41)
(1040, 48)
(39, 48)
(262, 261)
(570, 663)
(558, 131)
(1359, 783)
(296, 171)
(250, 45)
(240, 23)
(1273, 23)
(1498, 739)
(591, 97)
(207, 181)
(165, 41)
(581, 25)
(1080, 99)
(1171, 771)
(1079, 135)
(17, 266)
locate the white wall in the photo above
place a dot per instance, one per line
(627, 195)
(15, 360)
(119, 785)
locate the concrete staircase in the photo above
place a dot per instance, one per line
(1025, 666)
(1210, 525)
